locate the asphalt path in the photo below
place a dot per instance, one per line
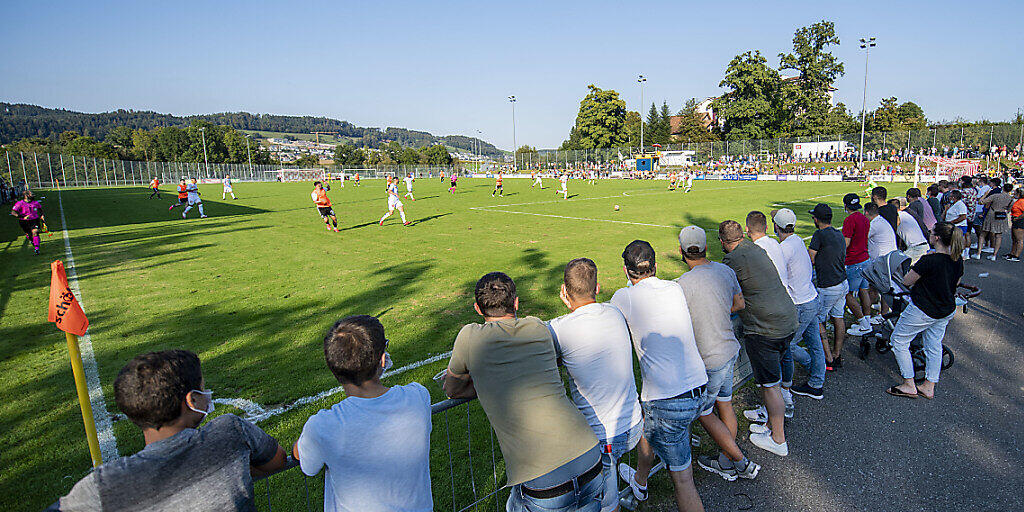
(861, 449)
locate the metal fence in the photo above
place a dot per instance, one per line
(47, 170)
(969, 141)
(467, 470)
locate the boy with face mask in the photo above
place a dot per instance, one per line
(375, 443)
(182, 467)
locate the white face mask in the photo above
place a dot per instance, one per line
(209, 396)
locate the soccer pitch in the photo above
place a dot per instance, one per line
(253, 288)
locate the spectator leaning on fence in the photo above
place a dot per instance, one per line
(182, 467)
(712, 295)
(672, 370)
(769, 321)
(552, 458)
(855, 231)
(801, 289)
(827, 250)
(592, 342)
(375, 443)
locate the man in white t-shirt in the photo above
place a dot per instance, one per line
(408, 186)
(674, 378)
(375, 443)
(592, 342)
(801, 289)
(910, 231)
(881, 237)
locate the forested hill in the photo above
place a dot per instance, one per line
(19, 121)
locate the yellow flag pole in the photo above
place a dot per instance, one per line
(83, 399)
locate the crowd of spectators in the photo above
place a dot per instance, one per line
(562, 452)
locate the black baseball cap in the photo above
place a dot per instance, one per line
(638, 257)
(822, 211)
(851, 201)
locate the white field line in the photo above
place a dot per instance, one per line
(104, 427)
(255, 413)
(623, 194)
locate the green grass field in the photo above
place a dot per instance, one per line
(253, 287)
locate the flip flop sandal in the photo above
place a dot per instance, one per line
(895, 391)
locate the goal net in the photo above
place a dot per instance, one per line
(287, 175)
(943, 168)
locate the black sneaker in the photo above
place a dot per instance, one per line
(806, 390)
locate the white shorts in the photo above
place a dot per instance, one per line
(563, 186)
(393, 203)
(227, 189)
(194, 200)
(408, 189)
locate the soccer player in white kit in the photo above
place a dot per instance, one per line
(393, 202)
(689, 182)
(193, 199)
(565, 184)
(408, 186)
(537, 182)
(227, 187)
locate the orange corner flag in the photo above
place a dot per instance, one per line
(64, 308)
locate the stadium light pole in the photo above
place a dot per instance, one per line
(479, 151)
(202, 131)
(641, 80)
(866, 44)
(515, 162)
(248, 153)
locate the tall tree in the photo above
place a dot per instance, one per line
(817, 70)
(437, 154)
(632, 126)
(347, 154)
(752, 106)
(691, 124)
(912, 116)
(601, 121)
(886, 118)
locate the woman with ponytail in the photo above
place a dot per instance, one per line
(932, 281)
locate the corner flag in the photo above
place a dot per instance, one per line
(65, 311)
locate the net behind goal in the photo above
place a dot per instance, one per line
(287, 175)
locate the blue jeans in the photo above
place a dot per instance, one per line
(813, 356)
(855, 276)
(586, 498)
(912, 322)
(667, 428)
(832, 301)
(612, 450)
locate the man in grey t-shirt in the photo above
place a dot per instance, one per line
(182, 467)
(712, 294)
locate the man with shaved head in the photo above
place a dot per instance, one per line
(769, 322)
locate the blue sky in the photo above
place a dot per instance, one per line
(448, 67)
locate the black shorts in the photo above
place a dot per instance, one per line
(765, 356)
(182, 200)
(1018, 224)
(326, 211)
(498, 187)
(453, 184)
(28, 225)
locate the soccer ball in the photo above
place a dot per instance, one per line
(616, 207)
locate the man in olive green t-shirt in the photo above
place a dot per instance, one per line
(509, 364)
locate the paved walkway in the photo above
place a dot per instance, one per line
(861, 449)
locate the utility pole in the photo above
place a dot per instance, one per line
(249, 153)
(866, 44)
(515, 159)
(202, 131)
(641, 79)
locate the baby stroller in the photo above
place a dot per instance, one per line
(886, 275)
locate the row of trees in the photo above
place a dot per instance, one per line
(168, 144)
(758, 103)
(390, 154)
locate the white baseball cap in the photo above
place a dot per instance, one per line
(784, 217)
(693, 236)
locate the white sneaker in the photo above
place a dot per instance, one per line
(988, 249)
(628, 474)
(765, 442)
(992, 257)
(976, 256)
(858, 330)
(876, 320)
(974, 245)
(759, 414)
(759, 428)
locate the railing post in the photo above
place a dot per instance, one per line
(63, 175)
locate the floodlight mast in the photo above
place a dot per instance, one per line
(866, 44)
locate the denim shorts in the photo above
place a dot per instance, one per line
(586, 498)
(832, 301)
(667, 428)
(719, 387)
(611, 451)
(855, 275)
